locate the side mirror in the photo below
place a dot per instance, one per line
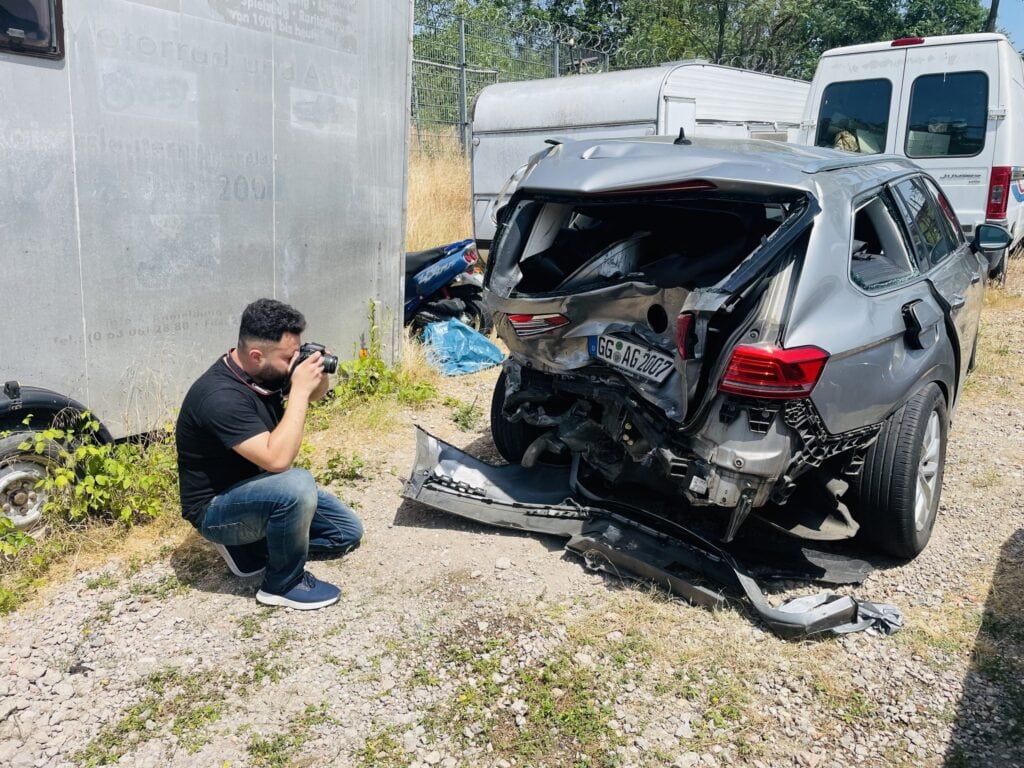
(989, 237)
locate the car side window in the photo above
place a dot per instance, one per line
(929, 229)
(879, 257)
(946, 214)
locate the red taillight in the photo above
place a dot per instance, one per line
(470, 255)
(771, 373)
(535, 325)
(998, 192)
(906, 41)
(684, 335)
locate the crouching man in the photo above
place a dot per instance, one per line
(236, 444)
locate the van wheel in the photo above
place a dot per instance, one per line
(511, 438)
(900, 485)
(20, 471)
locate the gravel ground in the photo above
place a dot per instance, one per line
(457, 645)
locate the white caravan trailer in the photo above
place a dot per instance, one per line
(512, 120)
(165, 162)
(953, 104)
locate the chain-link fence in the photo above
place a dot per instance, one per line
(455, 57)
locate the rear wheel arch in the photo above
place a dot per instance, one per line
(43, 408)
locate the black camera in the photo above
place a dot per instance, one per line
(330, 361)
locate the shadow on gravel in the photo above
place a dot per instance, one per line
(989, 728)
(198, 566)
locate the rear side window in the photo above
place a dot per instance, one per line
(854, 116)
(948, 115)
(879, 257)
(32, 28)
(930, 230)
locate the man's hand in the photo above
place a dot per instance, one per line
(307, 376)
(275, 451)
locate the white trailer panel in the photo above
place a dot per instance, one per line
(512, 120)
(184, 158)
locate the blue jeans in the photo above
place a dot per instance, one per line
(294, 516)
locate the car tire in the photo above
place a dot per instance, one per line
(20, 470)
(511, 438)
(900, 484)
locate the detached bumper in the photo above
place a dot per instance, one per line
(617, 538)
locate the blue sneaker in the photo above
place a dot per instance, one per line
(308, 595)
(244, 560)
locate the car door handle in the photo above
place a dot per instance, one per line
(975, 278)
(957, 301)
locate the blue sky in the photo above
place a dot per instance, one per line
(1011, 20)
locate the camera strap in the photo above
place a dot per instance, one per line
(246, 379)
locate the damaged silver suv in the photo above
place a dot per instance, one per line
(739, 325)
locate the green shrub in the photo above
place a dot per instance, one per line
(341, 468)
(128, 481)
(369, 377)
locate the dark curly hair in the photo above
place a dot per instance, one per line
(268, 320)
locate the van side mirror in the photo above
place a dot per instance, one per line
(989, 238)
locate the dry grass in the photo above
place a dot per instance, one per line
(438, 210)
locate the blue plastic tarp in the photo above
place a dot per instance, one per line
(455, 348)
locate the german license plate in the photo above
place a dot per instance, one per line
(633, 358)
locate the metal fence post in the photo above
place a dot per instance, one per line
(555, 63)
(463, 87)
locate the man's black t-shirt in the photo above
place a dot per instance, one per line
(219, 412)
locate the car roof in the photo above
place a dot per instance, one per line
(619, 165)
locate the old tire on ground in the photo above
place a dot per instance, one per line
(899, 488)
(20, 501)
(511, 438)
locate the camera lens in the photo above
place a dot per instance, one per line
(330, 363)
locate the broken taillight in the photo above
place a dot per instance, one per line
(685, 340)
(998, 192)
(535, 325)
(772, 373)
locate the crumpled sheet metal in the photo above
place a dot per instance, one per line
(614, 538)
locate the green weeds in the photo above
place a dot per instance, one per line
(341, 468)
(465, 415)
(369, 377)
(128, 482)
(188, 703)
(383, 750)
(279, 750)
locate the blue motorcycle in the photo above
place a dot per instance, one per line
(445, 282)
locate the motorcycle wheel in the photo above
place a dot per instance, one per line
(477, 318)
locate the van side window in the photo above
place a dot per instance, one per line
(930, 231)
(948, 115)
(32, 28)
(879, 257)
(854, 116)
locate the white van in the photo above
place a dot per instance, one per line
(512, 120)
(953, 104)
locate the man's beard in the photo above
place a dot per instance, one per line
(271, 379)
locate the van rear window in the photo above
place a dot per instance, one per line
(32, 28)
(948, 115)
(854, 116)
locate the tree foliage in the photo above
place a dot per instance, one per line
(779, 36)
